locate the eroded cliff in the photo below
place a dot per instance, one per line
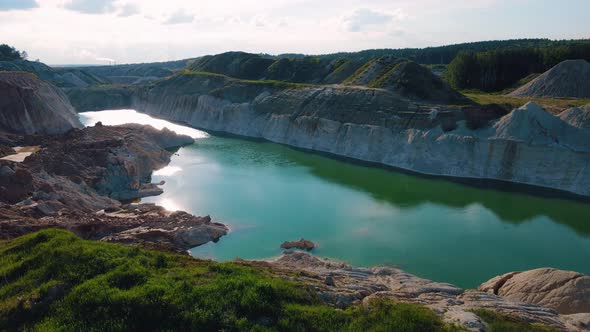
(31, 106)
(528, 146)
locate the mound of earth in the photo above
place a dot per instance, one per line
(577, 116)
(534, 125)
(410, 79)
(567, 292)
(373, 70)
(31, 106)
(570, 78)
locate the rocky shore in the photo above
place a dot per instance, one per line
(53, 174)
(145, 225)
(83, 171)
(547, 296)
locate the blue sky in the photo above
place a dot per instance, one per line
(99, 31)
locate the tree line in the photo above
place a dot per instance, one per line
(438, 54)
(9, 53)
(497, 70)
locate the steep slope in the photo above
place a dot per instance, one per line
(306, 69)
(29, 105)
(235, 64)
(577, 116)
(534, 125)
(528, 146)
(372, 70)
(570, 78)
(412, 80)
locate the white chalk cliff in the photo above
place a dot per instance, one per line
(527, 146)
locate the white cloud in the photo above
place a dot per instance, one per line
(142, 30)
(91, 6)
(128, 10)
(364, 19)
(180, 17)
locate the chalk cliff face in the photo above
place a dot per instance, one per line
(528, 146)
(29, 105)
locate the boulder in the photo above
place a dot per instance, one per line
(302, 244)
(567, 292)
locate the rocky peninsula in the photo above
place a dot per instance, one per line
(75, 175)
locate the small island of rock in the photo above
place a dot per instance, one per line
(302, 244)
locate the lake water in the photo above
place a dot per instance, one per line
(437, 229)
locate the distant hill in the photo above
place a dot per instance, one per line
(61, 77)
(442, 54)
(136, 73)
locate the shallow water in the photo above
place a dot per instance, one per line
(268, 193)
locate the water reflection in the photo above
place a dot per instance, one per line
(410, 191)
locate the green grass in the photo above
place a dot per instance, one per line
(500, 323)
(554, 105)
(270, 83)
(53, 280)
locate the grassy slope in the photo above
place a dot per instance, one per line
(554, 105)
(53, 280)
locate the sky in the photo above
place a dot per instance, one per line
(131, 31)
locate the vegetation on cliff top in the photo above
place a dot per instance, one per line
(553, 105)
(52, 280)
(9, 53)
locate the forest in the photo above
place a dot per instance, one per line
(499, 69)
(9, 53)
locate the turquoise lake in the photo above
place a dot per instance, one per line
(367, 216)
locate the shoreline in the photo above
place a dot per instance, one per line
(473, 182)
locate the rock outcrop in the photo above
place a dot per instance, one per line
(567, 292)
(135, 224)
(343, 285)
(31, 106)
(570, 78)
(115, 162)
(302, 244)
(76, 174)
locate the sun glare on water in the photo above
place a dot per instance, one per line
(167, 171)
(120, 117)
